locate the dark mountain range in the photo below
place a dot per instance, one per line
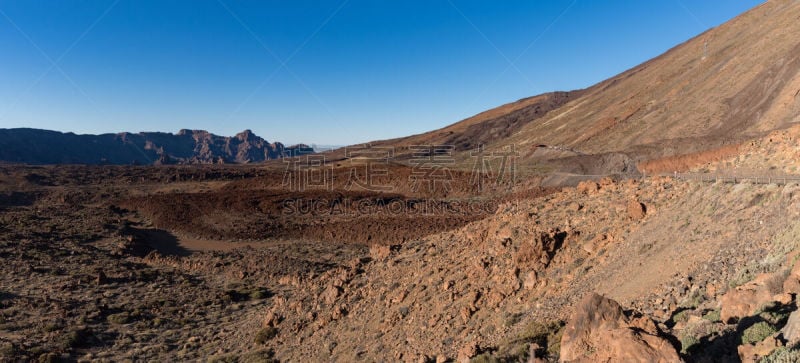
(34, 146)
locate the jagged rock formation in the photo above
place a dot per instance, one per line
(32, 146)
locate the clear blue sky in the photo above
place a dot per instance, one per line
(327, 72)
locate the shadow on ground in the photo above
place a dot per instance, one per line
(146, 240)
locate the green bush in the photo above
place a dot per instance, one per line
(758, 332)
(545, 335)
(695, 299)
(713, 316)
(680, 316)
(687, 342)
(783, 355)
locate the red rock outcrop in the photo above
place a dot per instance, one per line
(599, 331)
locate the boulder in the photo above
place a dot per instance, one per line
(599, 331)
(467, 352)
(636, 210)
(271, 319)
(598, 242)
(745, 299)
(791, 331)
(792, 283)
(330, 294)
(752, 353)
(530, 279)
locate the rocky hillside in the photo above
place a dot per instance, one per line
(732, 83)
(497, 285)
(489, 126)
(32, 146)
(716, 91)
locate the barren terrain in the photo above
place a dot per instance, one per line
(651, 217)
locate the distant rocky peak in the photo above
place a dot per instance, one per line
(246, 134)
(185, 147)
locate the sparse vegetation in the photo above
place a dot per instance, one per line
(687, 342)
(680, 316)
(713, 316)
(774, 314)
(694, 299)
(783, 355)
(545, 335)
(743, 276)
(757, 332)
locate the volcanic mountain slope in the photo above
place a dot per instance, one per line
(730, 84)
(32, 146)
(495, 124)
(727, 85)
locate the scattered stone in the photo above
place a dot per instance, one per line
(598, 242)
(574, 207)
(379, 252)
(467, 352)
(271, 319)
(588, 187)
(330, 294)
(530, 280)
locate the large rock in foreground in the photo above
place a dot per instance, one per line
(744, 300)
(599, 331)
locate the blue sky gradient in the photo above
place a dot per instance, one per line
(328, 72)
